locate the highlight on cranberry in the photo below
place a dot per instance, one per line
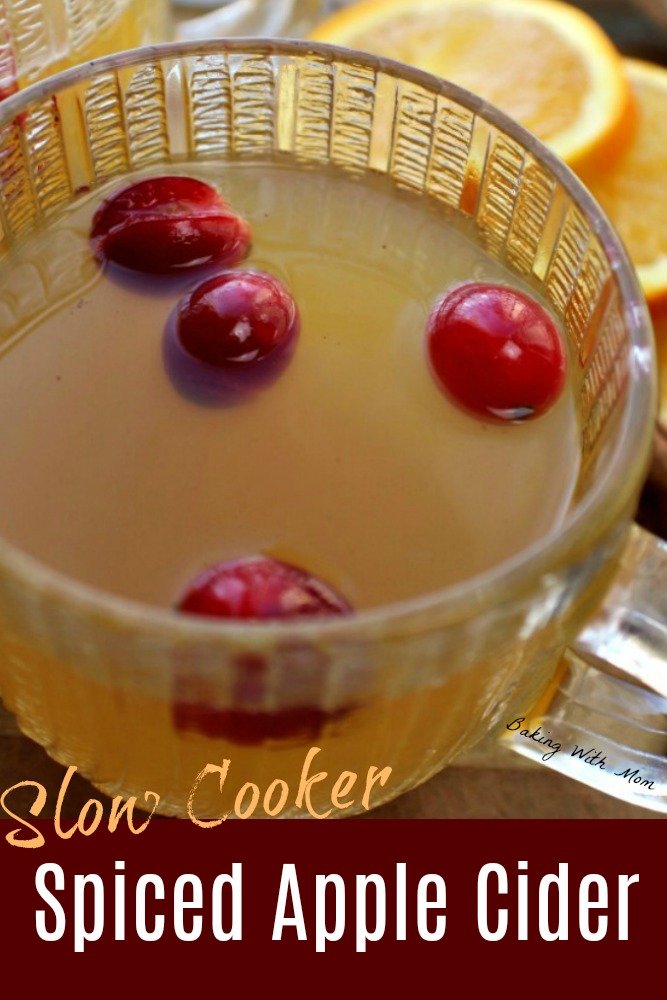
(496, 352)
(259, 587)
(237, 319)
(168, 224)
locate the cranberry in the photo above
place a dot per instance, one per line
(496, 352)
(166, 224)
(256, 587)
(260, 587)
(254, 728)
(207, 385)
(236, 319)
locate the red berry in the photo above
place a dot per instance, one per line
(194, 707)
(166, 224)
(496, 352)
(259, 587)
(256, 587)
(236, 319)
(254, 728)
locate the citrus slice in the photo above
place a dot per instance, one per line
(545, 63)
(632, 190)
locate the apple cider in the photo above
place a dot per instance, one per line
(350, 463)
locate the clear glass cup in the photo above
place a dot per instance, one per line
(38, 37)
(110, 686)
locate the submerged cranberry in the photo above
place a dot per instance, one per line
(166, 224)
(248, 729)
(236, 319)
(260, 587)
(496, 352)
(256, 587)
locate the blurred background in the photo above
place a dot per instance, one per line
(639, 27)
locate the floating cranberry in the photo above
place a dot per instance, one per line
(236, 319)
(167, 224)
(496, 352)
(261, 588)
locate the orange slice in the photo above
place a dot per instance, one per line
(633, 190)
(543, 62)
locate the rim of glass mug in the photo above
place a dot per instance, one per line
(607, 498)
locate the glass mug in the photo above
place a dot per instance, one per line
(38, 37)
(106, 684)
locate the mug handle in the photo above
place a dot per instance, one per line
(606, 708)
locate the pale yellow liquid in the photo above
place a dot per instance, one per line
(352, 464)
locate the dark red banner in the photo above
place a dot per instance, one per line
(388, 901)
